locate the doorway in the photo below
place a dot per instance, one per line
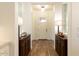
(43, 32)
(42, 21)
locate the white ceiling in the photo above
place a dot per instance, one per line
(38, 7)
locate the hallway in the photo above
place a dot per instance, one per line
(42, 47)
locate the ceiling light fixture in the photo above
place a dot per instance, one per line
(42, 7)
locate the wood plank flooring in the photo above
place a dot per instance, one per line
(43, 47)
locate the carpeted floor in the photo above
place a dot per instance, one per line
(43, 47)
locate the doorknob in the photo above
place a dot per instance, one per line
(46, 29)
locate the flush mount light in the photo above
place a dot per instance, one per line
(42, 7)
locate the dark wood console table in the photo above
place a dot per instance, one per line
(61, 45)
(24, 45)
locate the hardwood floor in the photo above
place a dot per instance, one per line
(42, 47)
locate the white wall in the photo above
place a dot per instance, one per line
(27, 18)
(7, 24)
(16, 42)
(57, 17)
(69, 15)
(73, 40)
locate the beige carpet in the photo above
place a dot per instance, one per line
(43, 47)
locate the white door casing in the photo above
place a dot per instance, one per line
(42, 30)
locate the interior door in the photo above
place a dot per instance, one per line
(43, 30)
